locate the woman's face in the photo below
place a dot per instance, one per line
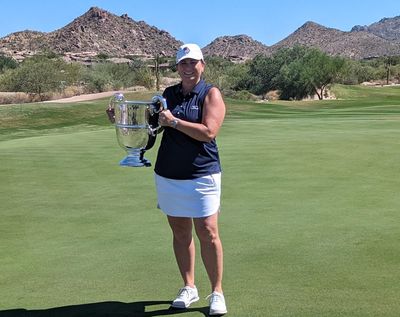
(190, 70)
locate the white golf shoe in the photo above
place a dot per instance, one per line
(217, 304)
(186, 296)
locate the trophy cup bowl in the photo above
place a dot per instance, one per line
(136, 126)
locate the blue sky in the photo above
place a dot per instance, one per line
(202, 21)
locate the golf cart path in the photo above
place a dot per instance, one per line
(85, 97)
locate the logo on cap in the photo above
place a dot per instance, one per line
(186, 50)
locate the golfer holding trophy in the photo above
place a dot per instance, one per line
(187, 169)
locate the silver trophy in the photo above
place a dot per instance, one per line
(136, 125)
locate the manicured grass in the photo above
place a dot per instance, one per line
(36, 119)
(309, 220)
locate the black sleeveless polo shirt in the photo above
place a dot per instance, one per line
(179, 155)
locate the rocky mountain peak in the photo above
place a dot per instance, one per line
(361, 42)
(386, 28)
(96, 31)
(96, 13)
(309, 34)
(237, 48)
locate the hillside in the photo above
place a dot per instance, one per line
(99, 31)
(96, 31)
(358, 44)
(236, 48)
(387, 28)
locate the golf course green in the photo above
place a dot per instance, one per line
(309, 220)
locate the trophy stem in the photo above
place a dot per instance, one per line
(135, 158)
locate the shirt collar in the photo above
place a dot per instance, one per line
(196, 89)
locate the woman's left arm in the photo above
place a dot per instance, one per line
(213, 116)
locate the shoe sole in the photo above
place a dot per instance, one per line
(187, 306)
(217, 312)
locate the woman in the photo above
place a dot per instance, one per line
(188, 175)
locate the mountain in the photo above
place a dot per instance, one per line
(96, 31)
(99, 31)
(378, 39)
(357, 44)
(387, 28)
(236, 48)
(309, 34)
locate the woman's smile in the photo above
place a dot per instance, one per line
(190, 69)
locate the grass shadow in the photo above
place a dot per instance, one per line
(104, 309)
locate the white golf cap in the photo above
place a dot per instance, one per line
(189, 51)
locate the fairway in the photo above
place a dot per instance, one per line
(309, 222)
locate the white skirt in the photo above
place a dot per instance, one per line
(192, 198)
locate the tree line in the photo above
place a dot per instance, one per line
(294, 73)
(299, 72)
(45, 75)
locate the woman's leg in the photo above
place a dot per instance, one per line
(183, 247)
(211, 249)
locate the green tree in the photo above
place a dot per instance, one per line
(306, 71)
(260, 75)
(296, 72)
(97, 79)
(107, 75)
(355, 72)
(36, 75)
(217, 71)
(72, 73)
(292, 82)
(264, 73)
(7, 63)
(320, 70)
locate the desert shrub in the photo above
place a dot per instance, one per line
(38, 76)
(110, 76)
(242, 95)
(223, 73)
(7, 63)
(144, 77)
(14, 97)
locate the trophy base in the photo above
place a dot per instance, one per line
(135, 158)
(134, 161)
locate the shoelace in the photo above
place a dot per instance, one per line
(214, 298)
(183, 292)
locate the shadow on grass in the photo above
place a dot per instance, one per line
(105, 309)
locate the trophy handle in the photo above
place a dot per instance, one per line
(118, 97)
(159, 103)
